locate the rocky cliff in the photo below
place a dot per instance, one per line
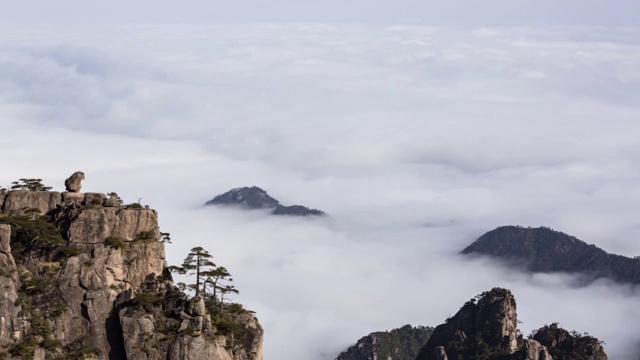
(256, 198)
(398, 344)
(486, 328)
(563, 344)
(546, 250)
(82, 277)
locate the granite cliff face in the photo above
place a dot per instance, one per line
(490, 322)
(546, 250)
(398, 344)
(83, 278)
(486, 328)
(256, 198)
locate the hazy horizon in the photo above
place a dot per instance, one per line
(452, 13)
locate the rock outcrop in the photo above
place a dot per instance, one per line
(546, 250)
(74, 182)
(398, 344)
(256, 198)
(20, 201)
(162, 323)
(563, 344)
(486, 328)
(533, 350)
(82, 278)
(492, 321)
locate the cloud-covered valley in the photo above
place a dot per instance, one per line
(415, 140)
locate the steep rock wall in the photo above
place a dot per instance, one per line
(61, 296)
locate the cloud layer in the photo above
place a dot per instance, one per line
(416, 140)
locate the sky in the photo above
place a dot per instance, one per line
(416, 139)
(416, 12)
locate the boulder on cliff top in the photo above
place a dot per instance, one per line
(74, 182)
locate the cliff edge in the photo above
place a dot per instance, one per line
(84, 277)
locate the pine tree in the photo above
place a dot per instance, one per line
(29, 184)
(198, 262)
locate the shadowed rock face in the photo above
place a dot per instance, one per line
(492, 321)
(70, 280)
(546, 250)
(256, 198)
(486, 328)
(563, 344)
(398, 344)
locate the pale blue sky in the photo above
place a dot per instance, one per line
(426, 12)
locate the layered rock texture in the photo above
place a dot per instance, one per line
(486, 328)
(546, 250)
(398, 344)
(83, 278)
(256, 198)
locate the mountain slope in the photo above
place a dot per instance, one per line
(546, 250)
(398, 344)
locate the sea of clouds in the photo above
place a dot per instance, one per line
(414, 140)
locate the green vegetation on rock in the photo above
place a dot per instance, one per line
(546, 250)
(29, 184)
(39, 234)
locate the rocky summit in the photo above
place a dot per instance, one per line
(545, 250)
(486, 327)
(85, 277)
(256, 198)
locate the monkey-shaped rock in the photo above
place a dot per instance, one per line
(74, 182)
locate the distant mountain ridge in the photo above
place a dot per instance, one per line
(546, 250)
(256, 198)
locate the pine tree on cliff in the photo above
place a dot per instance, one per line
(29, 184)
(198, 262)
(215, 277)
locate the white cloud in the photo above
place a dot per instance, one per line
(415, 140)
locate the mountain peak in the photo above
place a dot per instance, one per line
(254, 197)
(546, 250)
